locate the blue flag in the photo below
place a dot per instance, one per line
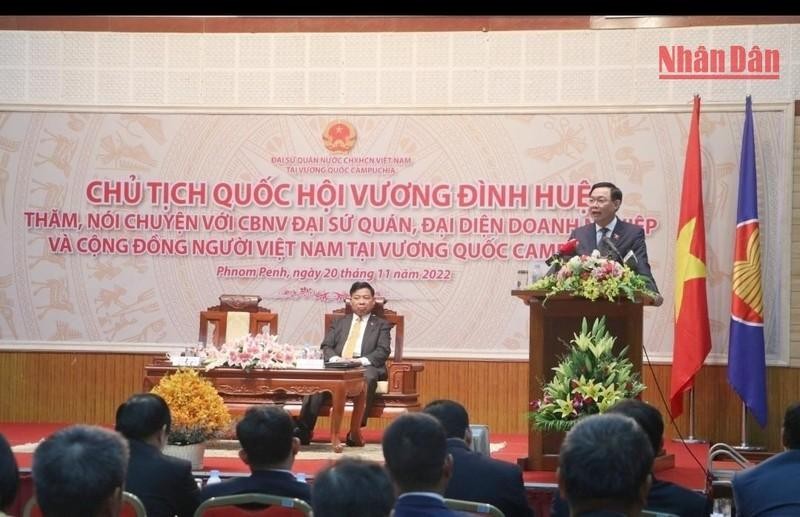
(747, 366)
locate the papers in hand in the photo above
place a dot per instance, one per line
(630, 256)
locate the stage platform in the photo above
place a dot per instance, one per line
(688, 470)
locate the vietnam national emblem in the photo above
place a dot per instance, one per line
(339, 137)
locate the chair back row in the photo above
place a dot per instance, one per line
(131, 507)
(253, 505)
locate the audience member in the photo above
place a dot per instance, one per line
(352, 487)
(80, 471)
(770, 488)
(164, 484)
(266, 434)
(360, 336)
(476, 477)
(415, 450)
(604, 466)
(663, 496)
(9, 475)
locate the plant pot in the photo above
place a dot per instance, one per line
(193, 452)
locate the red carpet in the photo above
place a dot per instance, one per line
(688, 471)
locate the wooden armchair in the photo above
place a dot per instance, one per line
(399, 393)
(234, 317)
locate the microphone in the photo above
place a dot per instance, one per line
(611, 247)
(629, 260)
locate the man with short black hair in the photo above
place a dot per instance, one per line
(415, 449)
(164, 484)
(770, 488)
(353, 487)
(476, 477)
(663, 496)
(604, 466)
(80, 470)
(360, 336)
(266, 434)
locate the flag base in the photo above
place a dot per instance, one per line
(690, 439)
(749, 448)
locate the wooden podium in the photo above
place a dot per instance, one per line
(551, 326)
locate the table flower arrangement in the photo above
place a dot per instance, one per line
(197, 410)
(592, 277)
(247, 352)
(588, 380)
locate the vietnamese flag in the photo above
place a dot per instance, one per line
(692, 332)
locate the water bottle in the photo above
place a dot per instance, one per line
(213, 478)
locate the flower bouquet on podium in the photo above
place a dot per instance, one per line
(592, 277)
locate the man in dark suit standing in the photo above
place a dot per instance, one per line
(770, 488)
(476, 477)
(163, 483)
(613, 237)
(268, 448)
(360, 336)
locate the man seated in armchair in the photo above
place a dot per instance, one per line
(360, 336)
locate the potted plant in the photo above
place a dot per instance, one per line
(589, 379)
(198, 413)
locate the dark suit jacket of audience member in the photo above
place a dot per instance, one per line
(421, 506)
(486, 480)
(663, 497)
(769, 488)
(163, 483)
(273, 482)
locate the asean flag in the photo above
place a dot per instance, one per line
(746, 354)
(692, 332)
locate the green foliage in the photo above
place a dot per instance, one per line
(588, 380)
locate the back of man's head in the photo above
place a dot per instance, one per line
(605, 462)
(80, 471)
(648, 418)
(415, 450)
(353, 487)
(452, 415)
(791, 426)
(143, 415)
(266, 434)
(9, 474)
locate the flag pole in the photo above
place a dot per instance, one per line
(691, 438)
(744, 446)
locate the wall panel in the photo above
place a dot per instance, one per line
(87, 387)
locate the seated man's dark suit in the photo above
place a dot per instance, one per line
(626, 237)
(478, 478)
(163, 483)
(663, 497)
(273, 482)
(769, 488)
(375, 346)
(416, 504)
